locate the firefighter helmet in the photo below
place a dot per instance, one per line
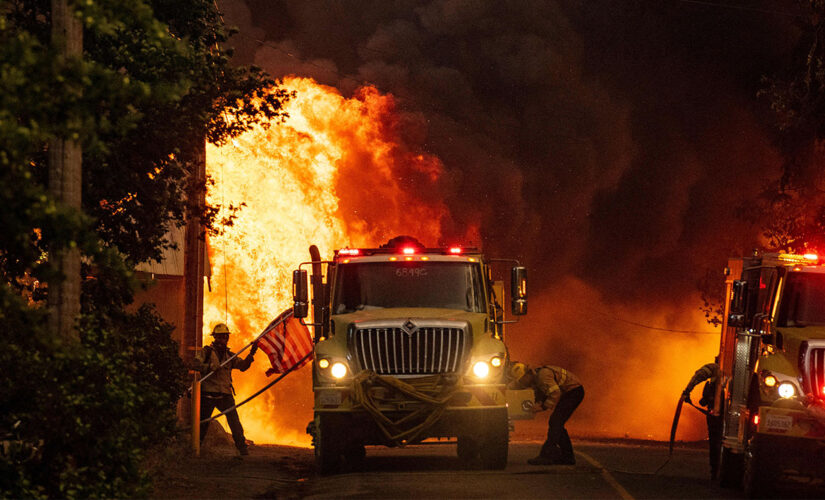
(517, 370)
(220, 328)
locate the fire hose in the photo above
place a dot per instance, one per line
(267, 386)
(432, 395)
(673, 428)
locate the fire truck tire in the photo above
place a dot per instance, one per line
(327, 448)
(757, 480)
(467, 448)
(730, 469)
(354, 455)
(495, 443)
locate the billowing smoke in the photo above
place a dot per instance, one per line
(610, 146)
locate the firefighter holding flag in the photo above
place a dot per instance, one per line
(286, 341)
(217, 391)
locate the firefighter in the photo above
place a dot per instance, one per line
(712, 374)
(217, 391)
(559, 391)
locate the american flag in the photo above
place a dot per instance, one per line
(286, 341)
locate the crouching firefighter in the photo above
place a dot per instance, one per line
(216, 390)
(559, 391)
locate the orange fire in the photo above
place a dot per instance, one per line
(339, 173)
(336, 174)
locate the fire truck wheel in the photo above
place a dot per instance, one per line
(467, 448)
(327, 447)
(757, 480)
(354, 456)
(730, 469)
(494, 444)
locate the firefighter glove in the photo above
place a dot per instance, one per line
(254, 348)
(686, 397)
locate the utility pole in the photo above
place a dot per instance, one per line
(65, 157)
(194, 258)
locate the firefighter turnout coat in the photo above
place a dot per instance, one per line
(209, 359)
(550, 383)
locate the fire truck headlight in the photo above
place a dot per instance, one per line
(786, 390)
(339, 370)
(323, 363)
(481, 369)
(495, 361)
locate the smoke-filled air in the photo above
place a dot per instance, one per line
(612, 164)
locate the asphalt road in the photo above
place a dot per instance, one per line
(603, 470)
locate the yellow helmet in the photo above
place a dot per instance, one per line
(517, 370)
(220, 328)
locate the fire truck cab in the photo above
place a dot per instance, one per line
(409, 345)
(772, 360)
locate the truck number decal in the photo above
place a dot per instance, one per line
(410, 272)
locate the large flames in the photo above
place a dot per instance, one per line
(335, 174)
(339, 172)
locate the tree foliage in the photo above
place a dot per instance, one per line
(154, 82)
(794, 205)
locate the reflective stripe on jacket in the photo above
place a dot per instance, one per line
(551, 382)
(210, 358)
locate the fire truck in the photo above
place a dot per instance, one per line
(772, 360)
(409, 346)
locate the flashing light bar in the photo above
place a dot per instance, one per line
(349, 251)
(408, 250)
(808, 258)
(455, 250)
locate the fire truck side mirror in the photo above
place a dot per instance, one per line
(300, 294)
(740, 297)
(518, 290)
(738, 300)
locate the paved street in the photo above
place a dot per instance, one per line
(602, 471)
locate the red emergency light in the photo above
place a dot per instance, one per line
(408, 250)
(349, 251)
(455, 250)
(811, 256)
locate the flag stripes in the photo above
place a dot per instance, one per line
(286, 341)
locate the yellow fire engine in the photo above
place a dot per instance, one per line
(409, 346)
(772, 359)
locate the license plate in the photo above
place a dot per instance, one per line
(329, 398)
(778, 423)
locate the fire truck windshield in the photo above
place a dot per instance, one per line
(371, 285)
(803, 301)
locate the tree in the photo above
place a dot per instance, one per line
(794, 205)
(154, 82)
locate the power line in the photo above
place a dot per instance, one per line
(642, 325)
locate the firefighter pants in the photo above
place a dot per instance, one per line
(558, 446)
(714, 441)
(212, 400)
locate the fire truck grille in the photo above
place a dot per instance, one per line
(816, 371)
(396, 351)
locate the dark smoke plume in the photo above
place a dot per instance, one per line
(611, 146)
